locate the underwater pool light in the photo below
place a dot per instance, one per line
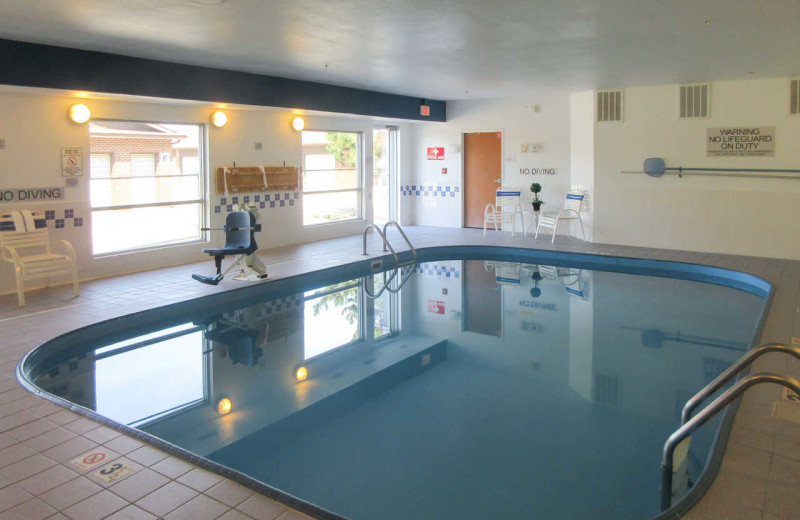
(224, 406)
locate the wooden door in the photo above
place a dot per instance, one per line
(482, 312)
(482, 167)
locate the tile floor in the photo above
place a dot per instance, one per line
(759, 478)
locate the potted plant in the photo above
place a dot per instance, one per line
(537, 202)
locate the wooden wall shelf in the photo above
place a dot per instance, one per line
(242, 179)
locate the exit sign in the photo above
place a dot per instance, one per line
(424, 110)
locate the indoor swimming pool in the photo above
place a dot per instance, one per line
(478, 383)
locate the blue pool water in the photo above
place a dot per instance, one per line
(500, 388)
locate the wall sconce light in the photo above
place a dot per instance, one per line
(301, 374)
(219, 118)
(224, 406)
(298, 123)
(79, 113)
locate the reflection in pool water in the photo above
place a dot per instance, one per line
(480, 389)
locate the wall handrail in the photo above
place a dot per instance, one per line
(385, 243)
(402, 233)
(731, 372)
(703, 416)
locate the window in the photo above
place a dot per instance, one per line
(331, 177)
(350, 312)
(146, 184)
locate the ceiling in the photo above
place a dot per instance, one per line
(438, 49)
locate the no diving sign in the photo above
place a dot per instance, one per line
(72, 162)
(93, 459)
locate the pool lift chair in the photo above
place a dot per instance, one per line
(240, 240)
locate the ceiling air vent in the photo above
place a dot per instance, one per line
(609, 106)
(794, 97)
(693, 101)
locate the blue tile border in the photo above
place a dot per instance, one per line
(429, 190)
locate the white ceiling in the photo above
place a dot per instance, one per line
(438, 49)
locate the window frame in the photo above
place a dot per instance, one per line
(202, 182)
(359, 189)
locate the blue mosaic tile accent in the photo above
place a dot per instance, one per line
(223, 201)
(266, 198)
(235, 200)
(216, 209)
(78, 222)
(428, 190)
(262, 205)
(69, 213)
(59, 223)
(258, 198)
(229, 207)
(272, 204)
(291, 202)
(283, 203)
(439, 270)
(50, 214)
(246, 199)
(296, 195)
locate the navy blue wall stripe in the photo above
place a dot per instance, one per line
(36, 65)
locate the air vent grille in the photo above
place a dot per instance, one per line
(607, 389)
(794, 97)
(609, 106)
(694, 101)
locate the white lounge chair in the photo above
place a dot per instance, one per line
(506, 207)
(24, 242)
(550, 217)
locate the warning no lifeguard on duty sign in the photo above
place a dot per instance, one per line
(755, 141)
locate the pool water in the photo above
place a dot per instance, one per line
(465, 389)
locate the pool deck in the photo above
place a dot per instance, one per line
(758, 480)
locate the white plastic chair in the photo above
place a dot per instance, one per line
(550, 217)
(505, 209)
(24, 242)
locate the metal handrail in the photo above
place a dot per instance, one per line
(386, 242)
(701, 418)
(387, 282)
(731, 372)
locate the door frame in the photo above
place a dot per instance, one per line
(502, 133)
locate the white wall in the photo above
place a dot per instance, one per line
(549, 127)
(758, 217)
(35, 127)
(582, 152)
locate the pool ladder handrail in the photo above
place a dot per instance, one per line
(689, 424)
(703, 416)
(731, 372)
(387, 282)
(385, 242)
(402, 233)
